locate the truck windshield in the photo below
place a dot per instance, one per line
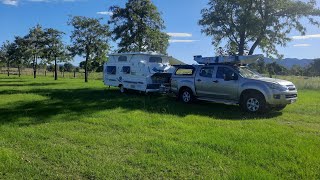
(248, 73)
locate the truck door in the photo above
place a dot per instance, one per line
(203, 81)
(226, 83)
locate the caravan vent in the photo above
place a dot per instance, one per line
(122, 59)
(155, 60)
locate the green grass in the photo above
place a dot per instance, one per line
(69, 129)
(303, 82)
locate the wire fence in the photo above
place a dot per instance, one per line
(42, 72)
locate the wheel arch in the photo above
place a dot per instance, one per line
(249, 91)
(185, 87)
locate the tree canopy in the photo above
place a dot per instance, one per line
(54, 48)
(35, 39)
(89, 39)
(138, 26)
(248, 24)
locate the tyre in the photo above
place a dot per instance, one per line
(186, 95)
(254, 102)
(122, 89)
(279, 108)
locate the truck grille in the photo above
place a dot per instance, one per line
(291, 96)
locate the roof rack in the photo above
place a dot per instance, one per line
(227, 59)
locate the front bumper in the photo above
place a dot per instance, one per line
(282, 98)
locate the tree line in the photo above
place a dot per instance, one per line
(137, 26)
(242, 25)
(274, 68)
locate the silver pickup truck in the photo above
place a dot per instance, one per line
(232, 84)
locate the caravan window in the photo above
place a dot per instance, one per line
(126, 69)
(122, 59)
(155, 60)
(111, 69)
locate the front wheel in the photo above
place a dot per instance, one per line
(254, 103)
(186, 95)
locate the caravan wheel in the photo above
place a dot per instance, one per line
(122, 89)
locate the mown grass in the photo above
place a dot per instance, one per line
(70, 129)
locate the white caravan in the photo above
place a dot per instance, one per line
(146, 72)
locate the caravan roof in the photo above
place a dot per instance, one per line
(136, 53)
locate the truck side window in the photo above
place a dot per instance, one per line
(206, 72)
(184, 71)
(223, 71)
(111, 69)
(126, 69)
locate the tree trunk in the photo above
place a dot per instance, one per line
(8, 68)
(241, 44)
(86, 66)
(45, 73)
(74, 74)
(254, 46)
(19, 70)
(35, 66)
(86, 70)
(55, 69)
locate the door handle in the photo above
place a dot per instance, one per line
(198, 80)
(216, 81)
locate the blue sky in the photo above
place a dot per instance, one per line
(180, 16)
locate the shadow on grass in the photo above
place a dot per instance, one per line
(75, 102)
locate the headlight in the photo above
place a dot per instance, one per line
(277, 87)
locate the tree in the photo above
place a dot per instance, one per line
(5, 54)
(89, 39)
(259, 66)
(275, 68)
(54, 48)
(138, 26)
(248, 24)
(93, 66)
(314, 68)
(68, 67)
(22, 52)
(36, 43)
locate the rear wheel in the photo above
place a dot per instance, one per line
(186, 95)
(254, 102)
(122, 89)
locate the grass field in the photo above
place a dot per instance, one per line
(69, 129)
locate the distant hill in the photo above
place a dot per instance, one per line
(174, 61)
(289, 62)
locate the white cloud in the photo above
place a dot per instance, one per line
(52, 0)
(302, 45)
(10, 2)
(181, 41)
(105, 13)
(179, 34)
(311, 36)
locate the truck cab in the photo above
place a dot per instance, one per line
(232, 84)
